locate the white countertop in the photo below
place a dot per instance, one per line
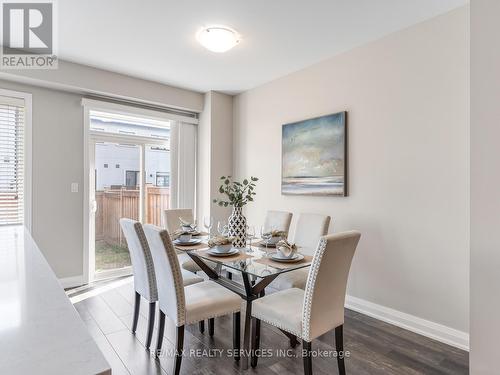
(40, 331)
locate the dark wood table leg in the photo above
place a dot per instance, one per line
(246, 336)
(249, 292)
(248, 320)
(253, 292)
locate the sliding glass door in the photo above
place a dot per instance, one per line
(139, 162)
(117, 194)
(130, 160)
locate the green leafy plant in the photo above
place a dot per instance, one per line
(238, 193)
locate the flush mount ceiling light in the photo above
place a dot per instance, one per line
(218, 38)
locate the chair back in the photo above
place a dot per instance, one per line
(171, 218)
(168, 272)
(310, 228)
(279, 220)
(324, 295)
(142, 261)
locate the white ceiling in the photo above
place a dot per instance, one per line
(155, 39)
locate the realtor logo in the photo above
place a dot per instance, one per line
(28, 35)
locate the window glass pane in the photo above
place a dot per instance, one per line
(128, 125)
(117, 195)
(12, 114)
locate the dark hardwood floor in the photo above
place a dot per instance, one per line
(375, 347)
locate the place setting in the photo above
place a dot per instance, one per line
(285, 256)
(185, 238)
(270, 237)
(222, 247)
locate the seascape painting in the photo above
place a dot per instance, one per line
(314, 156)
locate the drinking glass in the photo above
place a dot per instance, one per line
(265, 234)
(250, 236)
(208, 223)
(222, 227)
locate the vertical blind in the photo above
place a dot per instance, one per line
(12, 157)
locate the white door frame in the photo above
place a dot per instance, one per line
(90, 139)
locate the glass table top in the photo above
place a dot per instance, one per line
(253, 264)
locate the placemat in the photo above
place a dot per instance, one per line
(199, 246)
(283, 266)
(231, 258)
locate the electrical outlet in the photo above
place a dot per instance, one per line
(74, 187)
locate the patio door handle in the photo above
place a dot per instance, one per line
(93, 207)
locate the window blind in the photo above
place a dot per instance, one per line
(12, 160)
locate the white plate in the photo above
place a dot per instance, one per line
(193, 241)
(279, 258)
(216, 253)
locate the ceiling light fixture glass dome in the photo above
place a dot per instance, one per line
(218, 38)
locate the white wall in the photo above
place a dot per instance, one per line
(215, 153)
(57, 162)
(485, 180)
(407, 102)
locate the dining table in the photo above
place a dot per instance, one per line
(257, 269)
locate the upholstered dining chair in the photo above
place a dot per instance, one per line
(171, 218)
(171, 222)
(309, 230)
(317, 309)
(278, 220)
(144, 273)
(190, 304)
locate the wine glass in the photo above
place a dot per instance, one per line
(208, 223)
(250, 236)
(265, 234)
(222, 227)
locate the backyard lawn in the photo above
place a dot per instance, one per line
(110, 256)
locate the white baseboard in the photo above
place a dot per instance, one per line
(412, 323)
(71, 282)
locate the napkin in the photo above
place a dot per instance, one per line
(277, 233)
(219, 241)
(288, 245)
(186, 223)
(178, 233)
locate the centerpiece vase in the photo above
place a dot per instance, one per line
(237, 225)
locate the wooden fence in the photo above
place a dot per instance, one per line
(113, 204)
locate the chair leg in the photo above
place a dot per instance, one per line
(292, 338)
(236, 335)
(293, 341)
(211, 324)
(137, 305)
(339, 347)
(255, 341)
(151, 323)
(161, 330)
(178, 352)
(201, 325)
(307, 357)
